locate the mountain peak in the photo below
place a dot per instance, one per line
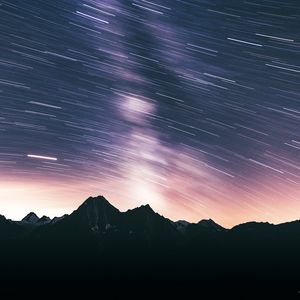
(98, 199)
(209, 223)
(44, 220)
(252, 225)
(97, 213)
(181, 225)
(143, 209)
(146, 207)
(30, 218)
(56, 219)
(96, 203)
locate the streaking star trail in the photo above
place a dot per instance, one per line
(41, 157)
(190, 106)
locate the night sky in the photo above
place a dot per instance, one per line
(191, 106)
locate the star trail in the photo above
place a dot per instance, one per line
(190, 106)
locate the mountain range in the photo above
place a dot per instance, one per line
(96, 216)
(98, 242)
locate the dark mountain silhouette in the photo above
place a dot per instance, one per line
(56, 219)
(31, 218)
(253, 226)
(181, 225)
(210, 224)
(93, 215)
(9, 230)
(43, 220)
(98, 242)
(144, 223)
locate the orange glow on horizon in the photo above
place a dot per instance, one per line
(55, 198)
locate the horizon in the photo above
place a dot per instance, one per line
(40, 215)
(189, 106)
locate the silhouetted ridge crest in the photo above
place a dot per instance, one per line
(253, 226)
(210, 224)
(43, 220)
(145, 222)
(96, 213)
(31, 218)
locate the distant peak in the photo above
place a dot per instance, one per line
(96, 204)
(30, 218)
(96, 214)
(56, 219)
(2, 217)
(96, 199)
(182, 222)
(181, 225)
(142, 210)
(252, 225)
(209, 223)
(146, 207)
(44, 219)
